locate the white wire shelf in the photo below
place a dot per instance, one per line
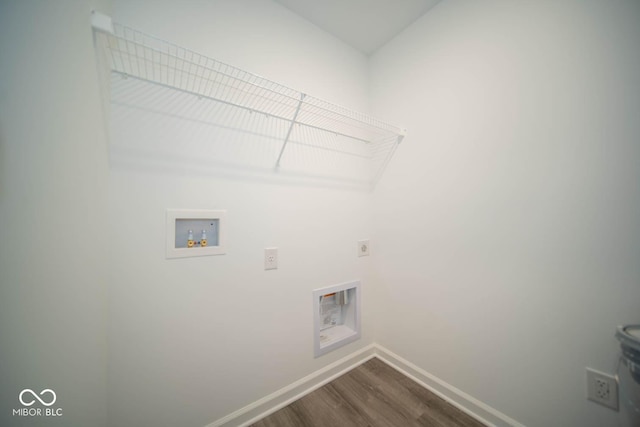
(251, 104)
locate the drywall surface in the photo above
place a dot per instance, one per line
(511, 241)
(53, 206)
(192, 340)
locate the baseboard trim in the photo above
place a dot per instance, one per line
(461, 400)
(279, 399)
(259, 409)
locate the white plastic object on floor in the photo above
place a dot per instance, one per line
(629, 375)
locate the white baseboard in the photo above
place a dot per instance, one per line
(279, 399)
(286, 395)
(461, 400)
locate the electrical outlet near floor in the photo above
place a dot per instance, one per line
(270, 258)
(602, 388)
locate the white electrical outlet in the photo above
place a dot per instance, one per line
(602, 388)
(363, 247)
(270, 258)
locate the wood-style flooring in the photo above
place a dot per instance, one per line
(371, 395)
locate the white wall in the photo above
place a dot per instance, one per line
(53, 210)
(506, 272)
(510, 244)
(192, 340)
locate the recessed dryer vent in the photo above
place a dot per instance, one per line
(336, 316)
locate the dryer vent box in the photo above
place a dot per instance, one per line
(336, 316)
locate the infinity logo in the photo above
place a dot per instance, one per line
(28, 390)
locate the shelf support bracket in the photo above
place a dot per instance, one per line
(399, 138)
(101, 22)
(293, 122)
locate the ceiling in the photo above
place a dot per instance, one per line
(363, 24)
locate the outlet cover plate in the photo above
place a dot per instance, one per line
(363, 247)
(270, 258)
(602, 388)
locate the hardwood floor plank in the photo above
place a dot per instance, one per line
(371, 395)
(327, 407)
(387, 382)
(373, 405)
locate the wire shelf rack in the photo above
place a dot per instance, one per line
(245, 101)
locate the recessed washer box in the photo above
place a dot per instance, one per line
(195, 232)
(336, 312)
